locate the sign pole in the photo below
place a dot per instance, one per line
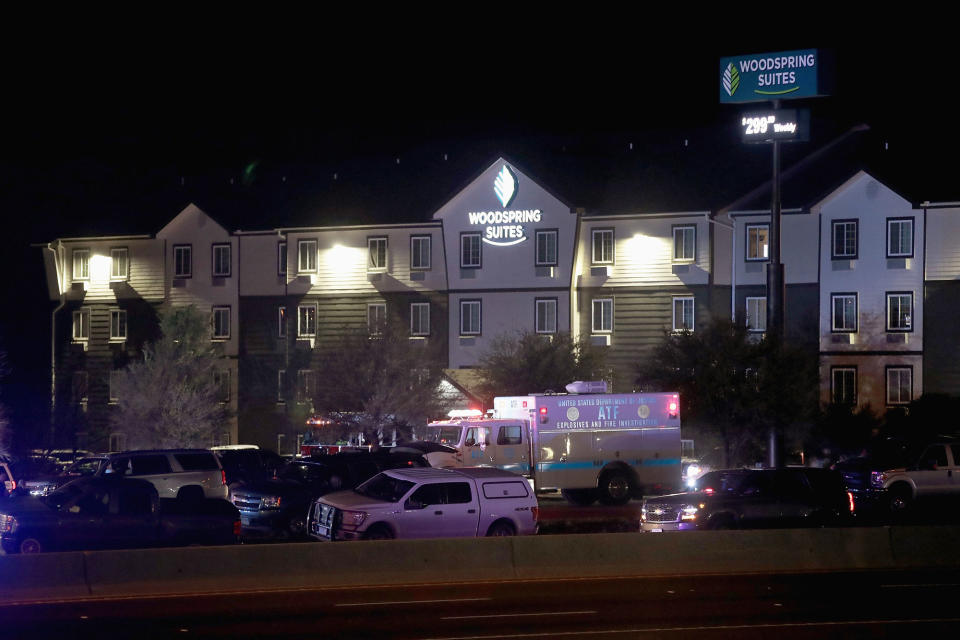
(775, 287)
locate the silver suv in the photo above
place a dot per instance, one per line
(176, 473)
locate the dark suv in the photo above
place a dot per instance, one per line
(752, 499)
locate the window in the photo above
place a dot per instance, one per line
(419, 252)
(114, 386)
(306, 320)
(684, 244)
(118, 324)
(470, 254)
(469, 317)
(899, 237)
(221, 261)
(419, 318)
(546, 315)
(546, 248)
(683, 314)
(899, 311)
(602, 315)
(221, 323)
(221, 382)
(377, 249)
(899, 385)
(758, 242)
(844, 312)
(376, 318)
(511, 434)
(79, 386)
(119, 263)
(81, 264)
(81, 324)
(305, 385)
(602, 250)
(281, 385)
(845, 239)
(757, 314)
(118, 441)
(281, 258)
(281, 322)
(182, 260)
(307, 256)
(843, 385)
(477, 436)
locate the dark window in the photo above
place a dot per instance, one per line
(150, 465)
(935, 454)
(196, 461)
(428, 494)
(756, 484)
(509, 435)
(458, 492)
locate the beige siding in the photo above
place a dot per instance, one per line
(145, 272)
(943, 250)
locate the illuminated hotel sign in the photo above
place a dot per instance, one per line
(506, 227)
(783, 125)
(770, 76)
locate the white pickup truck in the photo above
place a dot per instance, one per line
(428, 503)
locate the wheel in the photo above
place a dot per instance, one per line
(30, 545)
(580, 497)
(901, 499)
(615, 488)
(297, 526)
(379, 532)
(501, 529)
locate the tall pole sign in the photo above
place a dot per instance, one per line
(766, 77)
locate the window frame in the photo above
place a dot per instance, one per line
(746, 305)
(556, 247)
(834, 255)
(300, 309)
(224, 391)
(121, 319)
(602, 231)
(419, 306)
(214, 267)
(765, 226)
(693, 312)
(470, 302)
(83, 335)
(429, 254)
(282, 321)
(306, 386)
(899, 368)
(833, 311)
(83, 255)
(464, 235)
(312, 256)
(892, 221)
(898, 294)
(113, 264)
(833, 384)
(684, 228)
(216, 312)
(536, 315)
(112, 397)
(593, 315)
(180, 248)
(282, 257)
(371, 263)
(376, 326)
(281, 386)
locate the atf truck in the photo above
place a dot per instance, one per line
(588, 446)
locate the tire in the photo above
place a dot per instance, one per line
(615, 488)
(297, 526)
(580, 497)
(901, 499)
(379, 532)
(30, 544)
(501, 528)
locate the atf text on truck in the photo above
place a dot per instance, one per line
(610, 446)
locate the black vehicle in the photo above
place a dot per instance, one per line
(45, 482)
(752, 498)
(249, 465)
(112, 513)
(277, 507)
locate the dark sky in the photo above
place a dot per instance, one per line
(113, 129)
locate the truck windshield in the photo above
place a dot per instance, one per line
(443, 435)
(384, 487)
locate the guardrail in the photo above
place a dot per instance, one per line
(257, 567)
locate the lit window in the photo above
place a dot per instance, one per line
(683, 314)
(221, 323)
(844, 312)
(470, 316)
(899, 312)
(81, 324)
(843, 385)
(419, 318)
(306, 320)
(118, 324)
(182, 261)
(420, 252)
(602, 315)
(546, 315)
(845, 239)
(757, 314)
(602, 251)
(899, 385)
(119, 263)
(377, 248)
(376, 318)
(81, 264)
(684, 244)
(221, 261)
(899, 237)
(758, 242)
(307, 256)
(546, 248)
(282, 258)
(281, 322)
(470, 254)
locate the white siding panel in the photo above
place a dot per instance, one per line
(943, 250)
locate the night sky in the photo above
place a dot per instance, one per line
(113, 131)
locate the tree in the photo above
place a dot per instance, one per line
(527, 362)
(733, 388)
(375, 383)
(172, 398)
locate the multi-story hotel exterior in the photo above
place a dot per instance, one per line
(506, 255)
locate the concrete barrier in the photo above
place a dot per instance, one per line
(48, 576)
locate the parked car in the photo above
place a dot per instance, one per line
(35, 474)
(929, 476)
(243, 463)
(428, 503)
(174, 472)
(752, 498)
(112, 513)
(277, 507)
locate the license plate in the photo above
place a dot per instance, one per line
(656, 530)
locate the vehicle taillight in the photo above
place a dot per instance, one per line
(850, 501)
(708, 490)
(236, 528)
(223, 477)
(536, 513)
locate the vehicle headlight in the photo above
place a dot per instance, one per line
(41, 491)
(877, 478)
(353, 518)
(643, 513)
(688, 512)
(270, 502)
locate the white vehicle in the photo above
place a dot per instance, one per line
(589, 446)
(176, 473)
(428, 503)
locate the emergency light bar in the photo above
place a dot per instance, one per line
(465, 413)
(589, 386)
